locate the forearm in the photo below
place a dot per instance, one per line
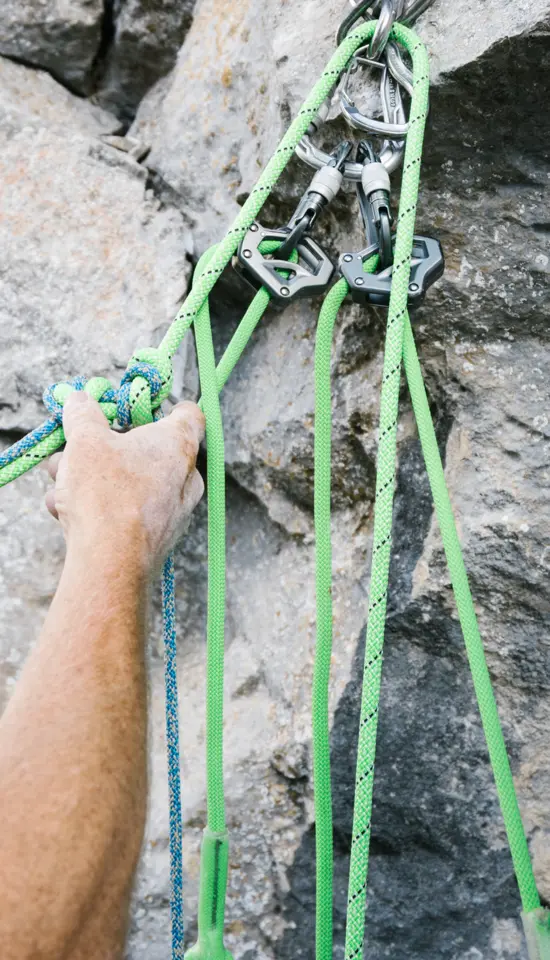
(73, 759)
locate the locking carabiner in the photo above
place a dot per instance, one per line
(323, 188)
(284, 279)
(373, 193)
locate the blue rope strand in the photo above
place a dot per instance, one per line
(44, 429)
(28, 442)
(173, 751)
(120, 397)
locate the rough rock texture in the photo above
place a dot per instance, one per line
(61, 37)
(441, 883)
(92, 266)
(144, 47)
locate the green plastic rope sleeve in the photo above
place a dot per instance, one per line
(536, 924)
(387, 441)
(213, 884)
(468, 621)
(216, 564)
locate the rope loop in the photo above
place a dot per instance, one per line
(55, 395)
(146, 383)
(98, 387)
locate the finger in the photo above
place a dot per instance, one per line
(79, 409)
(52, 464)
(50, 503)
(190, 417)
(185, 428)
(193, 490)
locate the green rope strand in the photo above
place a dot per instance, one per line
(468, 621)
(323, 588)
(323, 648)
(387, 441)
(239, 340)
(32, 458)
(216, 563)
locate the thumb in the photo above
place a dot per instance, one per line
(188, 418)
(80, 409)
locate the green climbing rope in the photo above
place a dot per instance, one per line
(215, 464)
(323, 649)
(387, 439)
(399, 343)
(537, 921)
(470, 630)
(323, 587)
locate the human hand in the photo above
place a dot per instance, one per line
(132, 493)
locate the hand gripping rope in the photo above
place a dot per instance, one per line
(145, 385)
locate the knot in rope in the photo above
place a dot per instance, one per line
(98, 387)
(146, 383)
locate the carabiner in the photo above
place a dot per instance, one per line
(394, 126)
(408, 14)
(373, 194)
(394, 57)
(322, 190)
(398, 68)
(391, 156)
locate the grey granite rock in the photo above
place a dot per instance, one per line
(92, 266)
(147, 35)
(63, 38)
(33, 97)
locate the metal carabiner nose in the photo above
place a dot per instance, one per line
(398, 68)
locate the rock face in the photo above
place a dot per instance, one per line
(145, 43)
(96, 248)
(63, 38)
(92, 265)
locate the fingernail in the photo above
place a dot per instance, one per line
(78, 396)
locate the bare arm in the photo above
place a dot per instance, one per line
(73, 737)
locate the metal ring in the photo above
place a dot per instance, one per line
(349, 21)
(384, 26)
